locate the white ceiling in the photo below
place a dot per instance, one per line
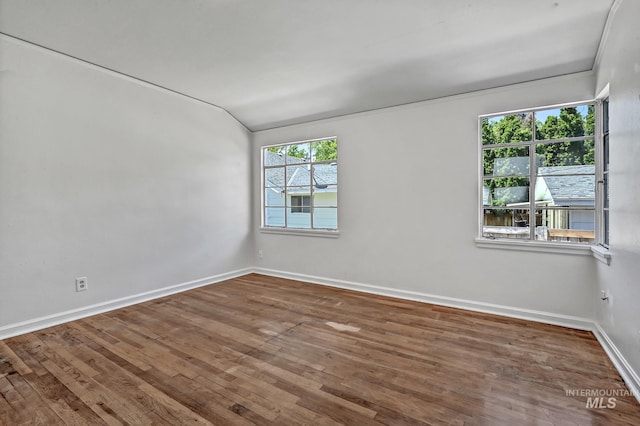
(277, 62)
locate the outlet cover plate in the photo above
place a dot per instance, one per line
(82, 284)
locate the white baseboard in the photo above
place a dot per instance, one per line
(86, 311)
(507, 311)
(627, 373)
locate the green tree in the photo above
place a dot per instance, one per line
(590, 121)
(325, 150)
(569, 123)
(297, 152)
(508, 129)
(589, 129)
(514, 128)
(292, 151)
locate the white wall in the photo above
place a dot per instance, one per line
(420, 236)
(620, 68)
(105, 177)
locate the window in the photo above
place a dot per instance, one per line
(300, 204)
(538, 175)
(300, 185)
(603, 175)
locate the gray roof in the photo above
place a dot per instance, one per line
(298, 172)
(579, 185)
(326, 174)
(273, 159)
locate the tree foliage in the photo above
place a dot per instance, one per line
(291, 151)
(511, 171)
(325, 150)
(322, 150)
(570, 123)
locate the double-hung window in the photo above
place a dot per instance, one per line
(538, 175)
(300, 185)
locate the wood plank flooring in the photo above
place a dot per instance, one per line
(263, 350)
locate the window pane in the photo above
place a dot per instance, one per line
(273, 156)
(325, 197)
(274, 216)
(324, 150)
(606, 227)
(298, 220)
(589, 119)
(298, 153)
(325, 217)
(606, 190)
(568, 225)
(507, 192)
(325, 174)
(273, 197)
(605, 149)
(506, 161)
(561, 123)
(295, 193)
(605, 168)
(577, 153)
(274, 177)
(299, 175)
(507, 128)
(300, 204)
(506, 223)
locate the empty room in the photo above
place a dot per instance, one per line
(312, 212)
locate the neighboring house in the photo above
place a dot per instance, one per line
(559, 186)
(296, 193)
(568, 186)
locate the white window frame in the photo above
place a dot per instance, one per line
(601, 248)
(311, 163)
(532, 244)
(602, 172)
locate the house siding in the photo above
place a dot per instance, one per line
(325, 215)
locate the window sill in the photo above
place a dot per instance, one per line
(535, 246)
(325, 233)
(598, 252)
(601, 254)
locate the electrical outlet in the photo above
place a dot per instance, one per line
(603, 295)
(82, 284)
(259, 254)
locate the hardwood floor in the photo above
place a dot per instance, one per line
(263, 350)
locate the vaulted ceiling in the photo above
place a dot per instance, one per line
(276, 62)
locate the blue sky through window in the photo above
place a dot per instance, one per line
(542, 115)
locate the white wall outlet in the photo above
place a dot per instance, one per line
(259, 254)
(82, 284)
